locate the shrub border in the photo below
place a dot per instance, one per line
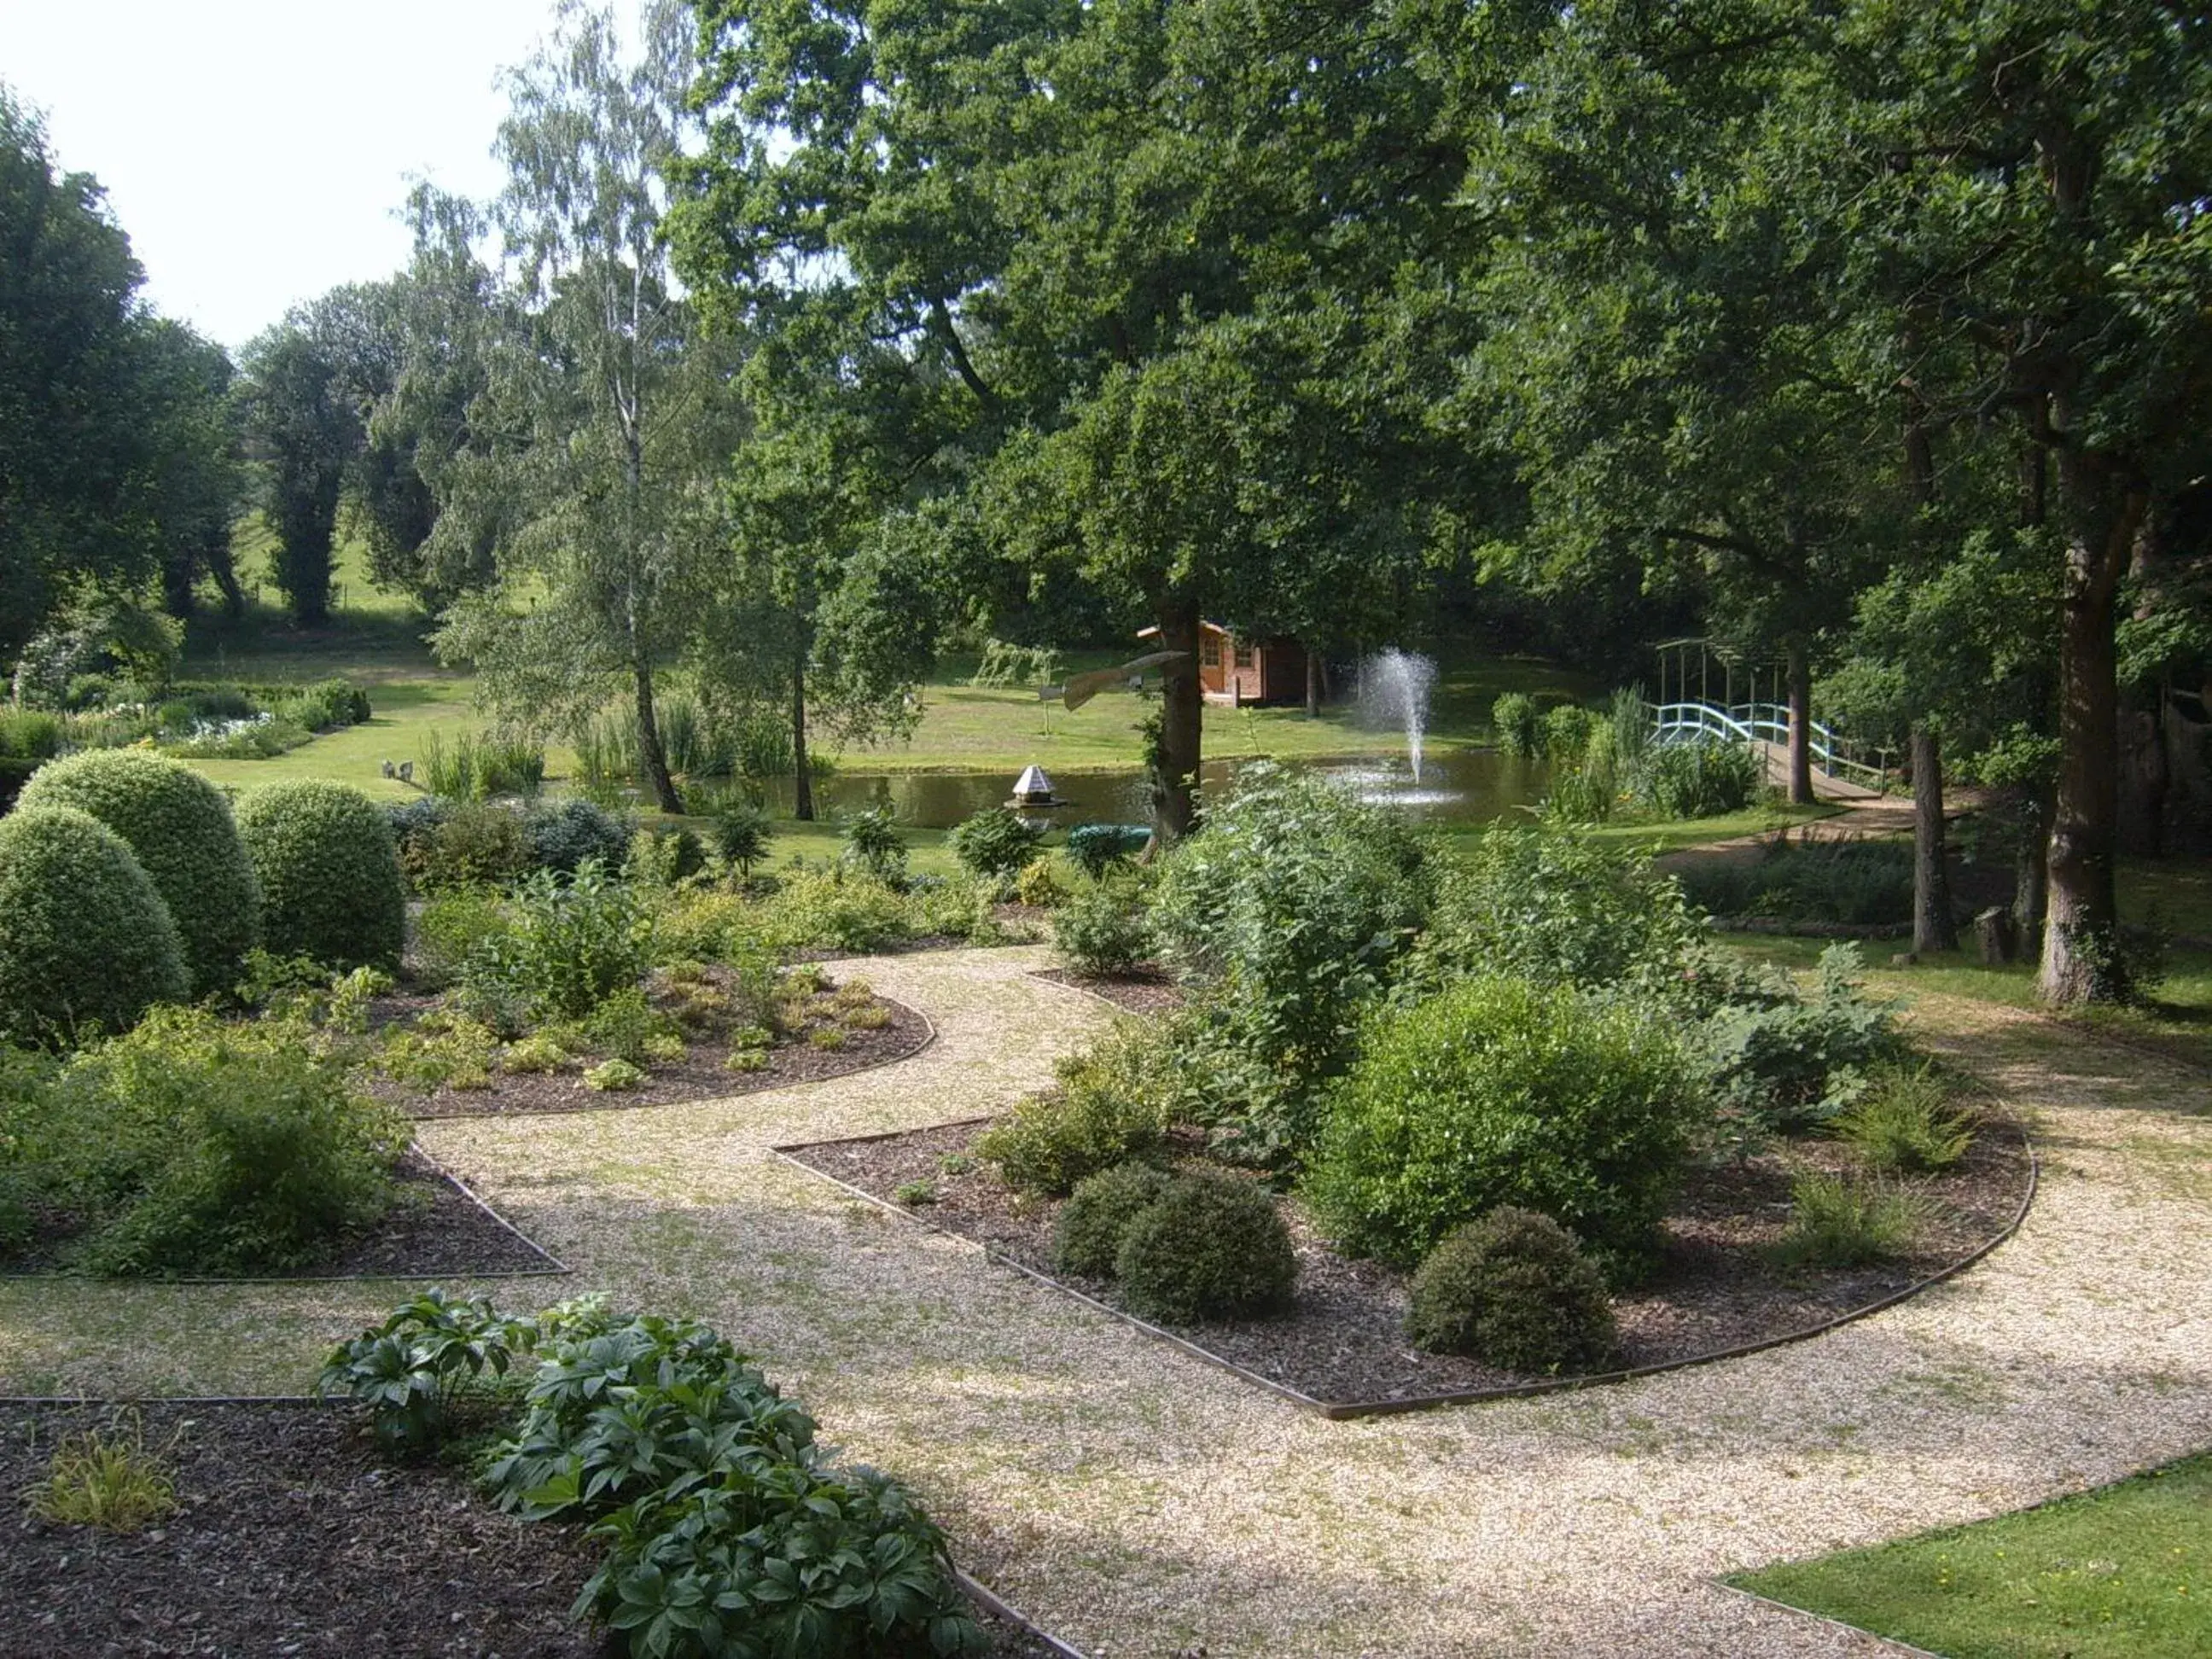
(970, 1586)
(557, 1269)
(1346, 1410)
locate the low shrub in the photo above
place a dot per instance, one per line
(86, 943)
(569, 945)
(1700, 780)
(479, 844)
(1095, 848)
(450, 930)
(839, 909)
(1835, 1221)
(1212, 1246)
(193, 1146)
(1516, 725)
(540, 1055)
(1039, 886)
(1498, 1091)
(1513, 1290)
(1111, 1105)
(326, 705)
(1905, 1122)
(109, 1480)
(625, 1025)
(741, 834)
(1102, 929)
(874, 846)
(613, 1077)
(995, 844)
(459, 1054)
(664, 855)
(1787, 1064)
(329, 870)
(1087, 1234)
(570, 834)
(1867, 883)
(427, 1356)
(180, 829)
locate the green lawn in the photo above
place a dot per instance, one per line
(2124, 1572)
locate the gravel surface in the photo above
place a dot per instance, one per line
(1138, 1502)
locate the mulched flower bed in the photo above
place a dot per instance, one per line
(292, 1536)
(1146, 991)
(433, 1228)
(1342, 1342)
(701, 1074)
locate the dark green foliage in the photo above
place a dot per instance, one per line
(1288, 911)
(1700, 780)
(1566, 732)
(329, 869)
(1102, 927)
(1111, 1105)
(741, 833)
(28, 735)
(1554, 908)
(1518, 727)
(995, 843)
(476, 844)
(1839, 1221)
(570, 834)
(1904, 1122)
(326, 706)
(189, 1145)
(1498, 1092)
(1789, 1064)
(1845, 881)
(872, 845)
(86, 942)
(1087, 1234)
(569, 946)
(1095, 848)
(664, 854)
(179, 826)
(410, 1370)
(1514, 1291)
(1212, 1246)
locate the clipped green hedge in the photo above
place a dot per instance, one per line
(1213, 1246)
(180, 828)
(85, 940)
(329, 869)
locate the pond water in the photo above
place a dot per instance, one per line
(1471, 786)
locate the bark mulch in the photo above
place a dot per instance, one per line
(700, 1075)
(1146, 991)
(1342, 1342)
(434, 1227)
(291, 1536)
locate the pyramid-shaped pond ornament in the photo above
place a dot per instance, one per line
(1033, 788)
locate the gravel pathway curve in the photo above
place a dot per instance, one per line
(1139, 1503)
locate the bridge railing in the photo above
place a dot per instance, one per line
(1760, 722)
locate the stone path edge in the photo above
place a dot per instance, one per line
(558, 1270)
(1346, 1411)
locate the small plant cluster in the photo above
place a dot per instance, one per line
(186, 719)
(478, 767)
(702, 745)
(1113, 1103)
(1513, 1289)
(1902, 1126)
(1203, 1244)
(189, 1145)
(1864, 882)
(109, 1480)
(995, 844)
(728, 1529)
(1102, 928)
(1605, 759)
(447, 845)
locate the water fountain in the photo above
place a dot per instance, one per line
(1393, 688)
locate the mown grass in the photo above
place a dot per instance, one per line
(2124, 1572)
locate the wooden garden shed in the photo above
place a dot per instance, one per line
(1237, 671)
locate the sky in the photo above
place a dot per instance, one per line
(256, 150)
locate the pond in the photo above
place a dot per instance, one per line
(1469, 786)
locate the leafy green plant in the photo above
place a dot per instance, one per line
(1861, 882)
(1516, 725)
(627, 1026)
(428, 1355)
(109, 1480)
(86, 942)
(1087, 1233)
(994, 843)
(1788, 1063)
(874, 846)
(538, 1055)
(179, 827)
(1498, 1091)
(914, 1193)
(329, 870)
(1212, 1246)
(1111, 1105)
(458, 1057)
(477, 845)
(741, 834)
(1513, 1289)
(569, 834)
(1700, 780)
(838, 909)
(452, 927)
(1102, 929)
(570, 945)
(611, 1077)
(1904, 1122)
(1835, 1221)
(1039, 886)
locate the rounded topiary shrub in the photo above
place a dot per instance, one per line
(85, 940)
(1514, 1291)
(329, 871)
(1212, 1246)
(1086, 1237)
(1498, 1091)
(179, 827)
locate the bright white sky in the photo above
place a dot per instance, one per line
(255, 150)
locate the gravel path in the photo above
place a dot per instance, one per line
(1139, 1502)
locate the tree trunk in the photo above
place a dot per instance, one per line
(802, 776)
(1933, 928)
(1174, 769)
(2079, 934)
(649, 747)
(2032, 873)
(1313, 684)
(1800, 726)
